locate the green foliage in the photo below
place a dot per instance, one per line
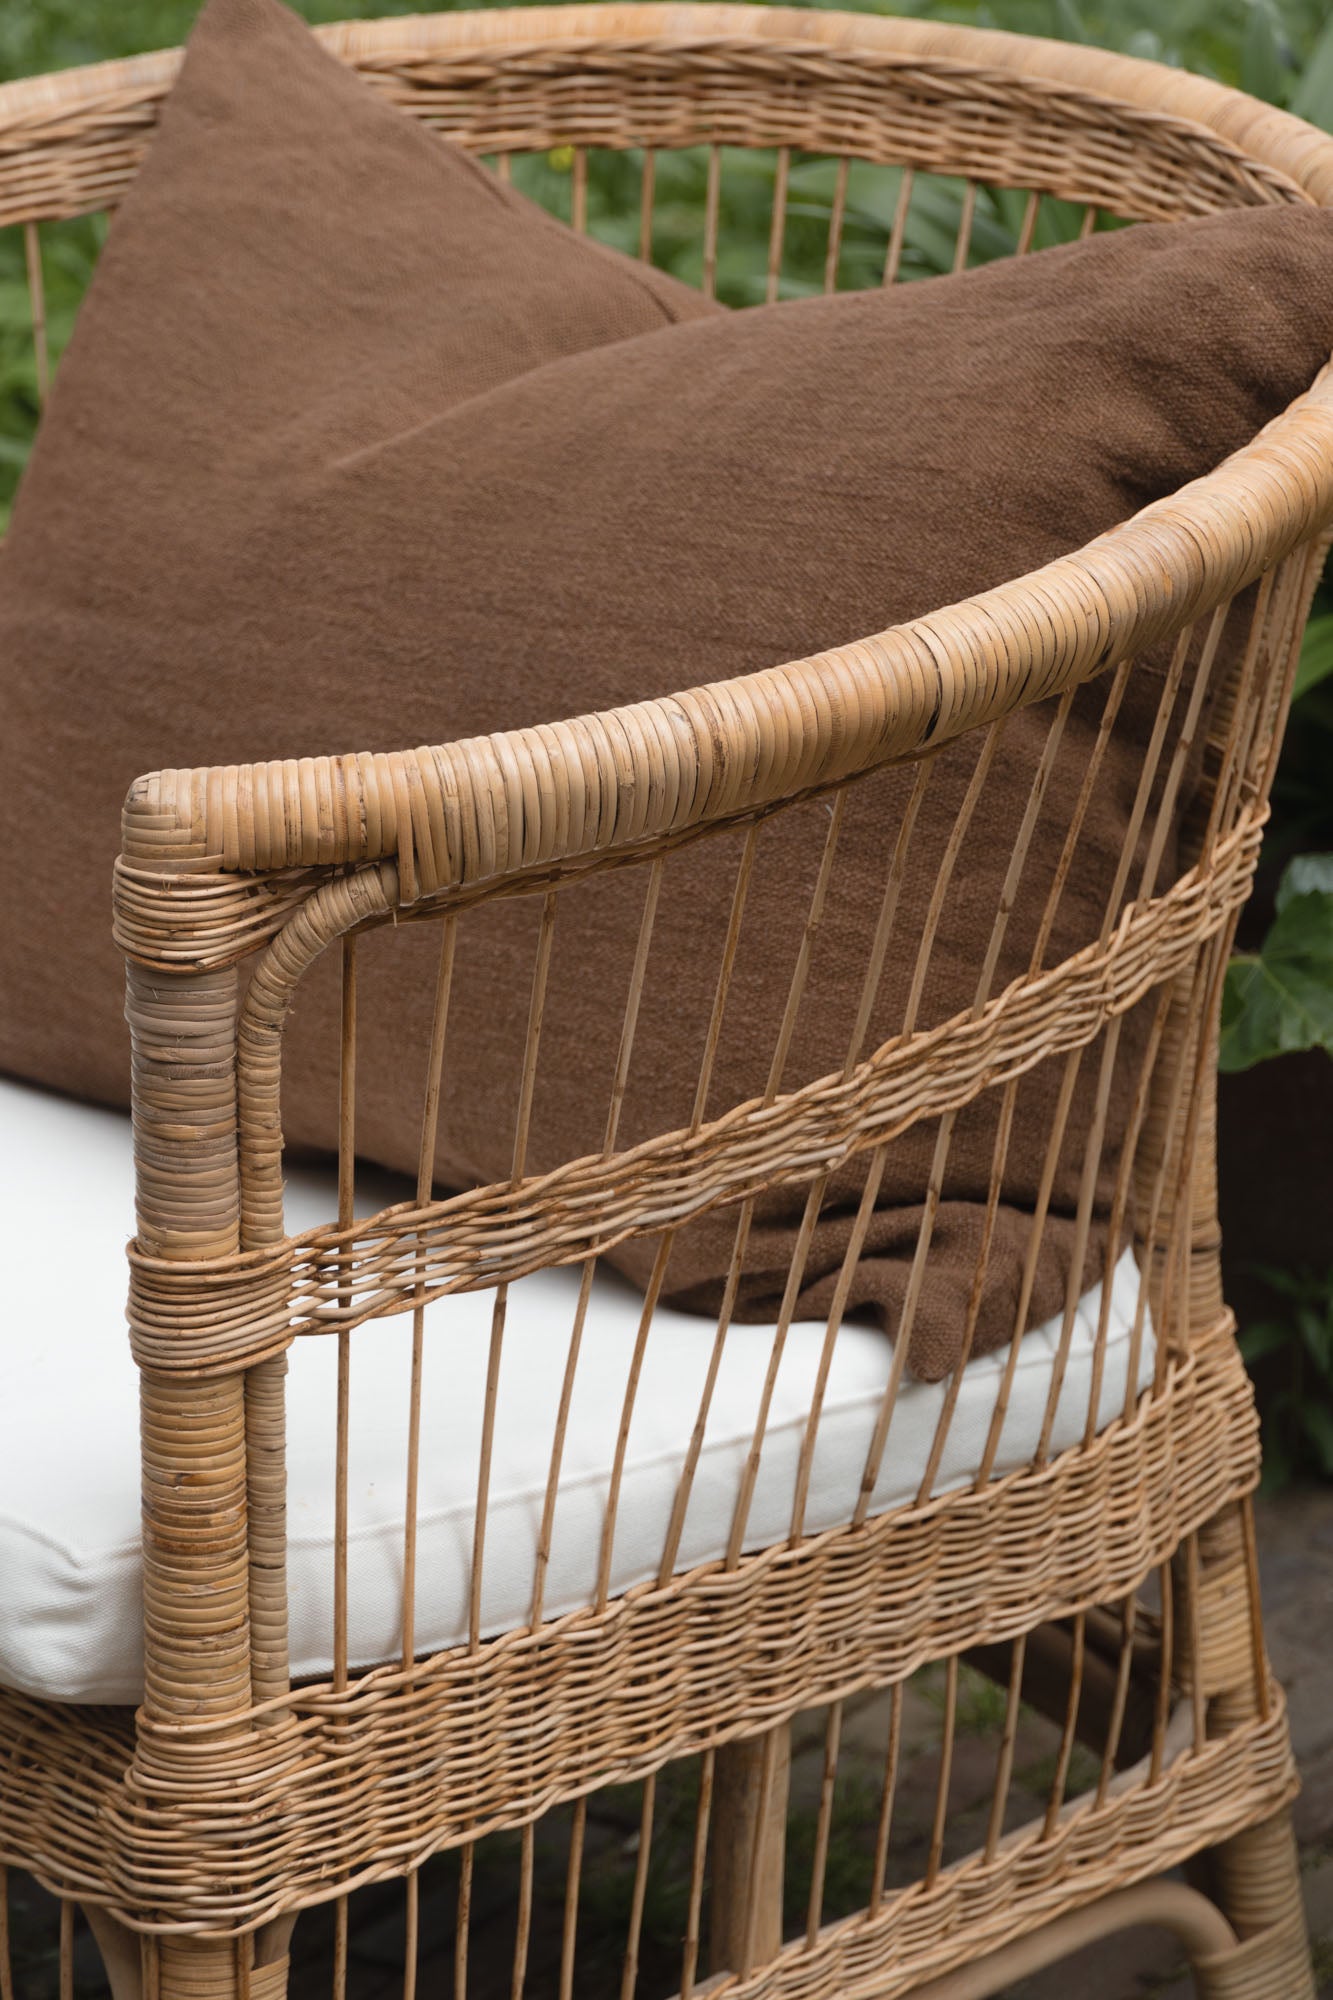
(1296, 1344)
(1280, 999)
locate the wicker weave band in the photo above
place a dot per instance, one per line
(209, 1318)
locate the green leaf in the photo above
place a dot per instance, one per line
(1307, 875)
(1316, 1420)
(1316, 1331)
(1313, 95)
(1281, 999)
(1268, 1337)
(1262, 70)
(1316, 655)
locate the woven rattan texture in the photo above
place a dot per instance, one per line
(232, 1797)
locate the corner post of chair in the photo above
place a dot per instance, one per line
(1254, 1876)
(211, 1499)
(196, 1556)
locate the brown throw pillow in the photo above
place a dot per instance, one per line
(259, 525)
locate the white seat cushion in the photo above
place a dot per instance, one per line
(69, 1446)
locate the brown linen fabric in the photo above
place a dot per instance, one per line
(294, 495)
(298, 273)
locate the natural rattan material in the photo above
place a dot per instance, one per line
(227, 1799)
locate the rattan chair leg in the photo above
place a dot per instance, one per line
(1257, 1882)
(122, 1953)
(212, 1969)
(1254, 1876)
(749, 1851)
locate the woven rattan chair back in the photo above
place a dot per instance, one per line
(1111, 1585)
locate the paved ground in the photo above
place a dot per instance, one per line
(1296, 1543)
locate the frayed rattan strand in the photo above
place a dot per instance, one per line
(629, 1974)
(629, 1026)
(837, 216)
(824, 1822)
(698, 1869)
(887, 1794)
(963, 240)
(1027, 228)
(893, 256)
(647, 193)
(573, 1878)
(578, 191)
(1004, 1766)
(523, 1925)
(32, 252)
(536, 1008)
(1087, 227)
(1060, 1776)
(948, 1731)
(504, 168)
(777, 227)
(712, 200)
(430, 1125)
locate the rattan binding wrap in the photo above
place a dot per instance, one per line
(233, 1800)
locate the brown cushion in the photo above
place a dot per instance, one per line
(294, 496)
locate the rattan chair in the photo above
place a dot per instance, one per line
(1113, 1584)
